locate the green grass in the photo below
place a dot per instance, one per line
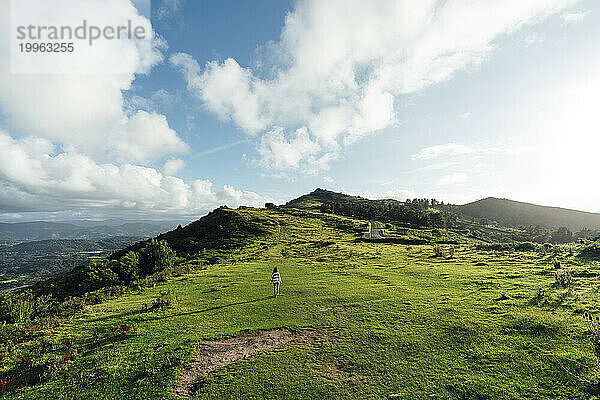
(383, 319)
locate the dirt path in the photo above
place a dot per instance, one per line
(217, 354)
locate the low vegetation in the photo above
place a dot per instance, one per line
(451, 316)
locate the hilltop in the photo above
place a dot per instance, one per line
(363, 319)
(318, 197)
(515, 213)
(439, 313)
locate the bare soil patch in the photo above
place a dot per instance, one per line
(217, 354)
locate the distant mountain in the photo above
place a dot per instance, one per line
(515, 213)
(52, 246)
(90, 230)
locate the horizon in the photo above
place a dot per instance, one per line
(187, 219)
(241, 104)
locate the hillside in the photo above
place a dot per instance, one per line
(515, 213)
(221, 229)
(315, 199)
(362, 320)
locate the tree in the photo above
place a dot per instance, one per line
(562, 235)
(129, 267)
(100, 274)
(156, 256)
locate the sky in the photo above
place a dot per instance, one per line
(239, 103)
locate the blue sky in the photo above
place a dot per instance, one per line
(245, 102)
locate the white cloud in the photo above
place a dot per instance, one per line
(454, 149)
(572, 18)
(281, 153)
(75, 144)
(453, 179)
(86, 111)
(328, 179)
(173, 166)
(29, 173)
(339, 65)
(450, 149)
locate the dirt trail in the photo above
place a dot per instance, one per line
(213, 355)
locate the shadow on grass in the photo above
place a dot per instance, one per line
(157, 318)
(209, 309)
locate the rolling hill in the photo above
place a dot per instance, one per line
(366, 320)
(515, 213)
(314, 200)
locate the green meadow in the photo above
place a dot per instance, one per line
(376, 320)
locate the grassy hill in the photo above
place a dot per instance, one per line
(515, 213)
(370, 319)
(315, 199)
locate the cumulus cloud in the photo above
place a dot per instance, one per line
(339, 66)
(71, 141)
(86, 111)
(173, 166)
(29, 171)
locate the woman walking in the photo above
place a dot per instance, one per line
(275, 280)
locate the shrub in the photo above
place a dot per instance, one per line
(166, 299)
(440, 251)
(129, 267)
(525, 246)
(563, 279)
(127, 328)
(24, 306)
(100, 274)
(157, 256)
(591, 249)
(593, 333)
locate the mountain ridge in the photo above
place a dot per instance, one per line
(518, 213)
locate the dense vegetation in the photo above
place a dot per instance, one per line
(472, 319)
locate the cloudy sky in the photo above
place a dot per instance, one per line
(235, 103)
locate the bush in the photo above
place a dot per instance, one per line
(440, 251)
(24, 306)
(166, 299)
(129, 267)
(593, 333)
(563, 279)
(591, 249)
(157, 256)
(99, 274)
